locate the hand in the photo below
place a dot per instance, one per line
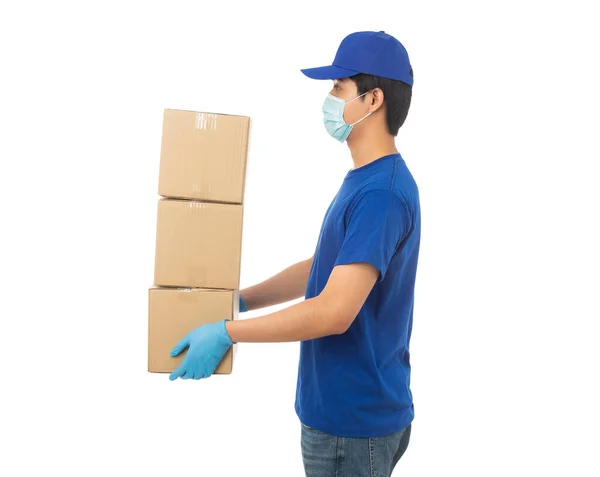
(207, 346)
(243, 306)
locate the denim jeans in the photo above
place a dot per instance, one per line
(326, 455)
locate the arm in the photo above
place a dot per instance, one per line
(331, 312)
(287, 285)
(375, 228)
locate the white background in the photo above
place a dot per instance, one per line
(502, 138)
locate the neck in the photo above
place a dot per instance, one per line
(366, 149)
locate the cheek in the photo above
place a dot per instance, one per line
(351, 114)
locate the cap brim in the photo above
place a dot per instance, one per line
(328, 72)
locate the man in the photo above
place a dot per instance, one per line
(353, 393)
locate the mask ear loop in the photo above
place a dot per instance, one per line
(364, 116)
(362, 119)
(358, 97)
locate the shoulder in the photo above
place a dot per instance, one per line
(380, 199)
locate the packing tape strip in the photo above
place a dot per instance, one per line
(206, 121)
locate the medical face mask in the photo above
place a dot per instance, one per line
(333, 117)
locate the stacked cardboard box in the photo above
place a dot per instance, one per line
(199, 230)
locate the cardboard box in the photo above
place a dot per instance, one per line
(198, 244)
(174, 312)
(203, 156)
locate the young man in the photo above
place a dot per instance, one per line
(353, 394)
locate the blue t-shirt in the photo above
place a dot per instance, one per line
(357, 384)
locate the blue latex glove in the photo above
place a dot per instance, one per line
(243, 306)
(207, 346)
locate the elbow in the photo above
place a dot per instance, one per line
(340, 328)
(337, 319)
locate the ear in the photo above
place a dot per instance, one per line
(376, 99)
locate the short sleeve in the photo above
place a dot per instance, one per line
(375, 225)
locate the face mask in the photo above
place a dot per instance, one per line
(333, 117)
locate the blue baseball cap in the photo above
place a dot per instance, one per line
(370, 52)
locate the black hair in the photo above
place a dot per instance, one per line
(396, 96)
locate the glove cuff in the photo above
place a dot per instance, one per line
(243, 308)
(225, 331)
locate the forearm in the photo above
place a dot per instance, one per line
(303, 321)
(287, 285)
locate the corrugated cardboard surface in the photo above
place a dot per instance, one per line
(173, 312)
(198, 244)
(203, 156)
